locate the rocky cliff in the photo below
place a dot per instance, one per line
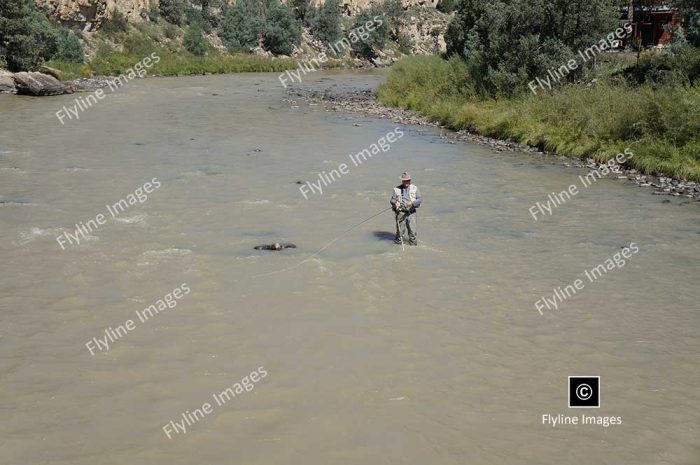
(424, 25)
(88, 14)
(352, 7)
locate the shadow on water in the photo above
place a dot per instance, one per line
(384, 235)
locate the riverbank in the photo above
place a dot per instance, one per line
(174, 64)
(365, 102)
(593, 119)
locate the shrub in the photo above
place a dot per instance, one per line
(369, 41)
(281, 31)
(326, 22)
(171, 31)
(173, 11)
(310, 16)
(404, 42)
(663, 67)
(194, 40)
(692, 25)
(510, 42)
(242, 25)
(300, 8)
(153, 12)
(193, 16)
(28, 38)
(115, 24)
(70, 48)
(209, 20)
(446, 6)
(393, 11)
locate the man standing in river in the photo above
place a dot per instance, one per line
(405, 200)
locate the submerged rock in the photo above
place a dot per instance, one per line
(275, 246)
(40, 84)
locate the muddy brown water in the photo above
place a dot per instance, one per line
(435, 355)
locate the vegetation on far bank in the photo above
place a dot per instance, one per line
(649, 102)
(194, 37)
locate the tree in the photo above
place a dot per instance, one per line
(692, 25)
(69, 47)
(194, 40)
(507, 43)
(364, 42)
(326, 23)
(446, 6)
(281, 32)
(242, 25)
(173, 11)
(20, 47)
(250, 23)
(300, 8)
(28, 38)
(153, 12)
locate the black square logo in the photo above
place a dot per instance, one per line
(584, 391)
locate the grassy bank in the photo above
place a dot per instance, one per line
(174, 64)
(661, 125)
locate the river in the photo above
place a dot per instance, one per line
(371, 354)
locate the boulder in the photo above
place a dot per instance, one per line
(57, 73)
(40, 84)
(7, 84)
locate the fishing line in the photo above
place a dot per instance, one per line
(322, 248)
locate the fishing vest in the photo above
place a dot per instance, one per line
(412, 189)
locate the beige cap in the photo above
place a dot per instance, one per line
(406, 176)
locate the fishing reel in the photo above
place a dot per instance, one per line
(402, 208)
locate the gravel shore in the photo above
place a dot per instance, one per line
(365, 102)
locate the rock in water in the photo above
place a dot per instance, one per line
(40, 84)
(275, 246)
(7, 84)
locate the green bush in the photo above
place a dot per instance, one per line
(511, 42)
(170, 31)
(210, 21)
(300, 9)
(692, 25)
(249, 23)
(70, 48)
(446, 6)
(153, 13)
(242, 25)
(195, 16)
(326, 22)
(369, 41)
(281, 32)
(116, 24)
(664, 67)
(405, 43)
(28, 39)
(173, 11)
(310, 16)
(194, 40)
(394, 13)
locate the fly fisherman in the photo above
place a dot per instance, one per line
(404, 202)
